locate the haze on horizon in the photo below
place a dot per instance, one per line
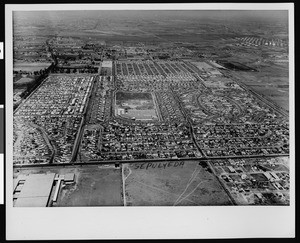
(263, 15)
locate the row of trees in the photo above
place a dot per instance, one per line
(35, 73)
(75, 70)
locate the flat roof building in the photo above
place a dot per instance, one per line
(36, 190)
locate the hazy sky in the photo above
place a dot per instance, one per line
(265, 15)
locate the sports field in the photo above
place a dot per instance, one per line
(180, 183)
(136, 106)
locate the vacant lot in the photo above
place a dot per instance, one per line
(184, 183)
(272, 82)
(95, 185)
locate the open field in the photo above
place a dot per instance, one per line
(172, 183)
(271, 81)
(95, 186)
(24, 80)
(30, 67)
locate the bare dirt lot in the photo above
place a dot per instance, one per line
(95, 185)
(182, 183)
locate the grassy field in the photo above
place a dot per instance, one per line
(124, 96)
(172, 183)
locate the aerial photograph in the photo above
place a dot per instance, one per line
(151, 108)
